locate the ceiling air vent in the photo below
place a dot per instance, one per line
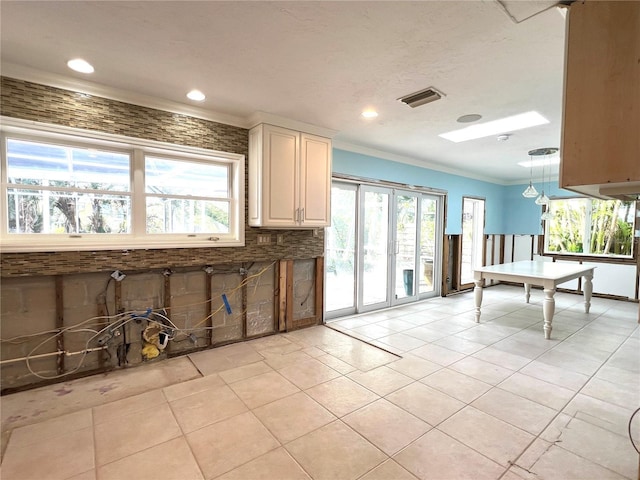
(420, 98)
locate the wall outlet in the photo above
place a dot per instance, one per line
(280, 239)
(263, 239)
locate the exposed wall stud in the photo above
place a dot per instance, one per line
(60, 324)
(319, 304)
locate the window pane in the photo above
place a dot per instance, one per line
(25, 211)
(611, 227)
(31, 163)
(179, 177)
(67, 212)
(566, 228)
(590, 226)
(167, 215)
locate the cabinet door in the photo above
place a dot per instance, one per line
(600, 143)
(315, 181)
(280, 176)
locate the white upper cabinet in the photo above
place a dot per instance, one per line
(289, 178)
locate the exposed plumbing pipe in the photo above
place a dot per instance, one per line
(43, 355)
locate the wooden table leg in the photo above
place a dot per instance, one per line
(477, 295)
(527, 292)
(548, 309)
(587, 288)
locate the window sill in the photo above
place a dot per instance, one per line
(81, 244)
(618, 259)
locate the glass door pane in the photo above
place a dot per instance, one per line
(340, 250)
(472, 238)
(406, 206)
(374, 247)
(428, 229)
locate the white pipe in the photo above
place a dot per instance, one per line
(42, 355)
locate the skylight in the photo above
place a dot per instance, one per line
(502, 125)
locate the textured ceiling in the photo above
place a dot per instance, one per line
(320, 63)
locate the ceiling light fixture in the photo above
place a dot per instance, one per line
(549, 157)
(502, 125)
(196, 96)
(369, 114)
(80, 65)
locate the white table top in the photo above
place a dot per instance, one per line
(537, 269)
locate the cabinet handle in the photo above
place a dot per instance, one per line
(302, 216)
(297, 219)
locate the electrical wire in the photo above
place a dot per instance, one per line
(119, 321)
(630, 434)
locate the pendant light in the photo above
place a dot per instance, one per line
(546, 214)
(530, 191)
(542, 198)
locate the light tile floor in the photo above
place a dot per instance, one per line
(442, 398)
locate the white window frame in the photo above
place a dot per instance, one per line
(586, 237)
(137, 148)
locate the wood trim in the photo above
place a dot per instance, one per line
(533, 242)
(243, 291)
(457, 260)
(445, 266)
(484, 250)
(60, 367)
(319, 293)
(276, 297)
(289, 297)
(209, 308)
(493, 250)
(167, 300)
(282, 296)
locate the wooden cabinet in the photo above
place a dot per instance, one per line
(289, 178)
(601, 128)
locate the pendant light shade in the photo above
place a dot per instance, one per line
(546, 215)
(542, 199)
(530, 191)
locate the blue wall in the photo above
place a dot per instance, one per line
(457, 186)
(507, 211)
(522, 215)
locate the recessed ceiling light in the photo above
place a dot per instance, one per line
(80, 65)
(472, 117)
(502, 125)
(369, 114)
(196, 95)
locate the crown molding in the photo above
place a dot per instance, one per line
(263, 117)
(372, 152)
(28, 74)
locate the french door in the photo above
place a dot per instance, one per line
(382, 249)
